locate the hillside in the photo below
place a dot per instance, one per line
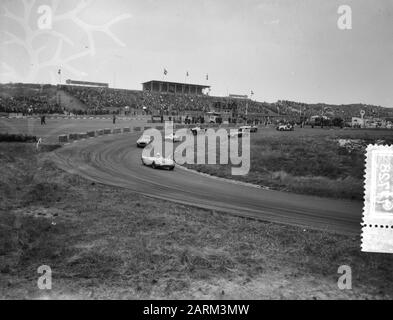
(93, 99)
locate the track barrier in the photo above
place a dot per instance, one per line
(63, 138)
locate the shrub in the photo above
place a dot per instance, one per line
(7, 137)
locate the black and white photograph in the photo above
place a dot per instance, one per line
(220, 152)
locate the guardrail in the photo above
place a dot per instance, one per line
(66, 138)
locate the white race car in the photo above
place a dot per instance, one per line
(197, 130)
(158, 162)
(173, 137)
(143, 141)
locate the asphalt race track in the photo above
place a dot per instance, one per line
(115, 160)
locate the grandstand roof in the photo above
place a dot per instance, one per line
(179, 83)
(173, 87)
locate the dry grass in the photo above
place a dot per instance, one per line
(307, 161)
(106, 242)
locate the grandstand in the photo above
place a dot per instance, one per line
(174, 87)
(157, 99)
(28, 98)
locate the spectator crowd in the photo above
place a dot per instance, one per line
(40, 99)
(28, 105)
(28, 98)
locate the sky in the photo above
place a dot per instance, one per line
(280, 50)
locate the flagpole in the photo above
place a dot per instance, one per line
(207, 80)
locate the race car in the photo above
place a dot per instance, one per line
(197, 130)
(251, 128)
(285, 127)
(173, 137)
(143, 141)
(239, 133)
(158, 161)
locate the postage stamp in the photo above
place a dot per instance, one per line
(377, 231)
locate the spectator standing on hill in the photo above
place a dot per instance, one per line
(114, 118)
(37, 146)
(43, 120)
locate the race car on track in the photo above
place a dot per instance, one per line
(143, 141)
(251, 128)
(285, 127)
(158, 161)
(173, 137)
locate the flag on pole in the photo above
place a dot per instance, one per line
(59, 73)
(165, 71)
(207, 77)
(252, 92)
(187, 74)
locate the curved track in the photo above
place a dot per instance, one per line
(115, 160)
